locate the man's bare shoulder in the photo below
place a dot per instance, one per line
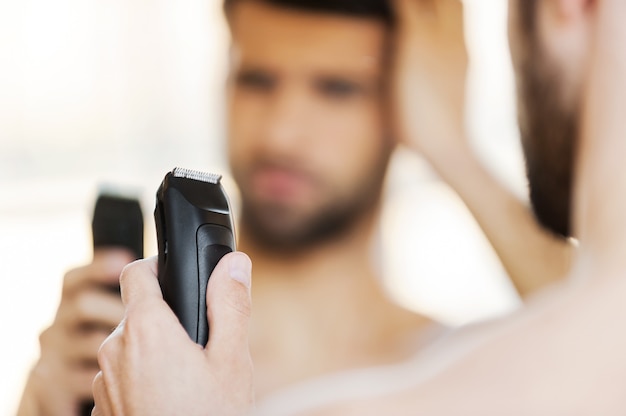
(434, 348)
(534, 362)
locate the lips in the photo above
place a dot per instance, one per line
(281, 184)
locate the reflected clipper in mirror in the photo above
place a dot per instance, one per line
(117, 223)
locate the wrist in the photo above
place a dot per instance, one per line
(456, 165)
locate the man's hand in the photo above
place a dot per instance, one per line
(149, 364)
(430, 65)
(88, 312)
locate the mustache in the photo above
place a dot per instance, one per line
(292, 166)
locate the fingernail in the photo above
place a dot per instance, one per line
(240, 268)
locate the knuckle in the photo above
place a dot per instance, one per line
(125, 277)
(74, 278)
(135, 321)
(95, 340)
(127, 270)
(82, 307)
(103, 354)
(97, 384)
(68, 282)
(107, 352)
(124, 274)
(45, 337)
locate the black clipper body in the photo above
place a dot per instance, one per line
(194, 231)
(118, 222)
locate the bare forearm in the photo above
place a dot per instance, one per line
(532, 256)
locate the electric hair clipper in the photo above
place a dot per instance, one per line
(194, 231)
(117, 222)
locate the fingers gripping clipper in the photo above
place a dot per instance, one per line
(194, 231)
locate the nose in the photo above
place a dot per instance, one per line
(287, 119)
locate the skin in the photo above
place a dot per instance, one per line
(223, 371)
(279, 153)
(307, 140)
(429, 96)
(61, 378)
(570, 338)
(324, 96)
(548, 84)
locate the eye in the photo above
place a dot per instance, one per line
(338, 88)
(255, 80)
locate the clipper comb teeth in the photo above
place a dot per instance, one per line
(196, 175)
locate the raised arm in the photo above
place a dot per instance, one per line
(532, 256)
(564, 353)
(429, 97)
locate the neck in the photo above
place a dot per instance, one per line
(341, 271)
(325, 306)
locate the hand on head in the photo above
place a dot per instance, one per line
(429, 73)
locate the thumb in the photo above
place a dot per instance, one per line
(229, 303)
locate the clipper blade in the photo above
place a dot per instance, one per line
(196, 175)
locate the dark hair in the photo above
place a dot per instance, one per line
(527, 12)
(374, 9)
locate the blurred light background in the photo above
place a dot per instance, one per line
(120, 92)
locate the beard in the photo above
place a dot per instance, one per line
(549, 131)
(283, 228)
